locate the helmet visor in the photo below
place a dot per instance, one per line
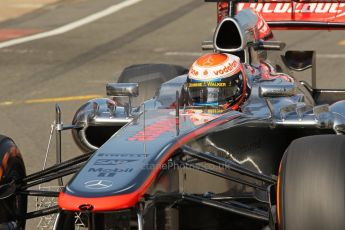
(214, 93)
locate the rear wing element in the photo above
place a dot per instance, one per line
(290, 14)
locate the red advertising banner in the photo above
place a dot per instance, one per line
(296, 11)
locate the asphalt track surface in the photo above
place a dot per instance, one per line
(79, 63)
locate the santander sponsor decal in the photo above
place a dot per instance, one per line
(294, 11)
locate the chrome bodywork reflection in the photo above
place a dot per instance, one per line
(241, 162)
(102, 112)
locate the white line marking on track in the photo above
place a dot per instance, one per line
(27, 5)
(191, 54)
(6, 103)
(330, 56)
(71, 26)
(198, 54)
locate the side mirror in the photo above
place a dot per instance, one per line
(283, 90)
(122, 89)
(299, 60)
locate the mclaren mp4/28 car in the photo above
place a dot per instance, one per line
(277, 161)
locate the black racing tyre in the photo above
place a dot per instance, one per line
(14, 207)
(311, 184)
(149, 77)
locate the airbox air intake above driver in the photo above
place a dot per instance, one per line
(228, 36)
(233, 34)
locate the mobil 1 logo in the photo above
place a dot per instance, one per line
(108, 172)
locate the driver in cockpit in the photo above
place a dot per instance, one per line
(217, 80)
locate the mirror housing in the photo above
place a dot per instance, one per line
(299, 60)
(122, 89)
(283, 90)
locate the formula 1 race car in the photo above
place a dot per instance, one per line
(277, 161)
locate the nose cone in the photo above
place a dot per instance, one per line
(109, 203)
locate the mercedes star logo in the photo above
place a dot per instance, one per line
(208, 62)
(98, 184)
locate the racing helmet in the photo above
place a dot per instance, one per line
(217, 79)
